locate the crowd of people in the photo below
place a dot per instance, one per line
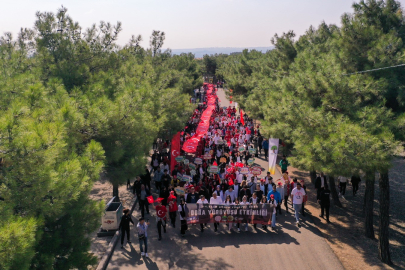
(230, 144)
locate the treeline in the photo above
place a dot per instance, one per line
(74, 104)
(310, 92)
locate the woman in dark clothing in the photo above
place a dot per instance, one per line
(183, 216)
(124, 226)
(146, 177)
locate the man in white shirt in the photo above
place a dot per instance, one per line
(201, 202)
(239, 178)
(297, 197)
(320, 184)
(215, 200)
(342, 184)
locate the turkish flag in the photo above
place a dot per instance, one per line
(241, 117)
(150, 199)
(174, 150)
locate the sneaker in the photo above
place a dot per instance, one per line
(146, 255)
(142, 253)
(273, 228)
(238, 230)
(246, 229)
(321, 216)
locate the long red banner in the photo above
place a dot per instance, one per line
(190, 146)
(175, 150)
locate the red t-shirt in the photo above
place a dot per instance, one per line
(172, 206)
(161, 211)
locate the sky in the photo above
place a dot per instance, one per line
(187, 23)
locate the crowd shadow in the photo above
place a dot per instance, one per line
(352, 216)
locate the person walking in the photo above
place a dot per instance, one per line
(143, 236)
(355, 183)
(183, 217)
(143, 201)
(265, 146)
(297, 196)
(124, 226)
(342, 185)
(277, 196)
(157, 178)
(161, 213)
(284, 164)
(245, 202)
(215, 200)
(273, 202)
(260, 143)
(320, 184)
(201, 203)
(173, 208)
(324, 200)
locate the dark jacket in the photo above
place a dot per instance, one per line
(125, 220)
(325, 197)
(192, 198)
(244, 192)
(137, 187)
(318, 182)
(355, 180)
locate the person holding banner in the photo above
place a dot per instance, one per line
(245, 202)
(263, 201)
(273, 202)
(254, 200)
(215, 199)
(183, 217)
(201, 203)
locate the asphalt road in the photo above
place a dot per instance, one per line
(288, 247)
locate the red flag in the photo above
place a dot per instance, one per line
(150, 199)
(174, 150)
(241, 117)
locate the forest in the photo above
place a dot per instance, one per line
(74, 104)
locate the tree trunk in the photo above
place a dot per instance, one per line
(335, 195)
(369, 205)
(312, 174)
(115, 191)
(383, 230)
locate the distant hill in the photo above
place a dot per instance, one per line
(200, 52)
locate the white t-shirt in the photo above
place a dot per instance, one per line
(342, 179)
(218, 200)
(239, 178)
(202, 202)
(298, 195)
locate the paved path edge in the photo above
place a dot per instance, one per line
(105, 260)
